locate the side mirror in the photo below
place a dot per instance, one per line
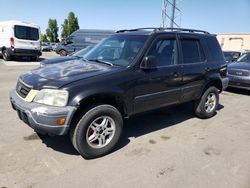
(148, 63)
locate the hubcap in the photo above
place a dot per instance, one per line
(100, 132)
(210, 102)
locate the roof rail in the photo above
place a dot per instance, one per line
(163, 29)
(137, 29)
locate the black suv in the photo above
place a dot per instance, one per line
(130, 72)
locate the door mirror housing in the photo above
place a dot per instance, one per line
(149, 62)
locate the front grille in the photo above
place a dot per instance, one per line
(22, 89)
(238, 72)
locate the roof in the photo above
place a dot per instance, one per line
(18, 22)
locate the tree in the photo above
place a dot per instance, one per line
(72, 22)
(44, 38)
(52, 30)
(65, 29)
(70, 25)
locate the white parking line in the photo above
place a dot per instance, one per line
(16, 63)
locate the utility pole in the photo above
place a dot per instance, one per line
(169, 6)
(164, 13)
(173, 14)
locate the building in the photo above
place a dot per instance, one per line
(234, 42)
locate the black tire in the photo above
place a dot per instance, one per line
(200, 106)
(6, 55)
(79, 133)
(35, 58)
(63, 53)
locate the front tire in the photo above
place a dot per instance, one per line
(206, 107)
(98, 131)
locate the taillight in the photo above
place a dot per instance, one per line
(12, 43)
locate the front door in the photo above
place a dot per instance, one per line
(161, 86)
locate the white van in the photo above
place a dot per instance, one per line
(19, 38)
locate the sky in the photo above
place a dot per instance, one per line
(215, 16)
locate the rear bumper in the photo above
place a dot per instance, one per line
(42, 118)
(23, 52)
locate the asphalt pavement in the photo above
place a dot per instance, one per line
(164, 148)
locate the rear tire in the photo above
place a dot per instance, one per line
(98, 131)
(6, 55)
(206, 107)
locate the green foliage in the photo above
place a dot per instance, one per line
(70, 25)
(44, 38)
(65, 29)
(52, 30)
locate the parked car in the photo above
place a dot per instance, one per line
(231, 56)
(46, 46)
(63, 59)
(54, 46)
(239, 72)
(81, 39)
(18, 39)
(131, 72)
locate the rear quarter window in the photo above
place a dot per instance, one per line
(214, 49)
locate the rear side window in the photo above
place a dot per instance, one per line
(26, 33)
(192, 51)
(214, 49)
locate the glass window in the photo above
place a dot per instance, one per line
(214, 48)
(244, 58)
(164, 51)
(118, 49)
(192, 51)
(26, 33)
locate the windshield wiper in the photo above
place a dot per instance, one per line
(100, 61)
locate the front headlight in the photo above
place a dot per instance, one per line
(52, 97)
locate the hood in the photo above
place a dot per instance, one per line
(61, 59)
(239, 65)
(57, 75)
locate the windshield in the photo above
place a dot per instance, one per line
(82, 52)
(118, 49)
(228, 55)
(244, 58)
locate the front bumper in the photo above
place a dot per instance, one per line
(42, 118)
(23, 52)
(239, 82)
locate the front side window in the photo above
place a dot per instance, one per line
(164, 51)
(192, 51)
(118, 49)
(26, 33)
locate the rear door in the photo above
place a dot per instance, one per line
(161, 86)
(26, 37)
(194, 64)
